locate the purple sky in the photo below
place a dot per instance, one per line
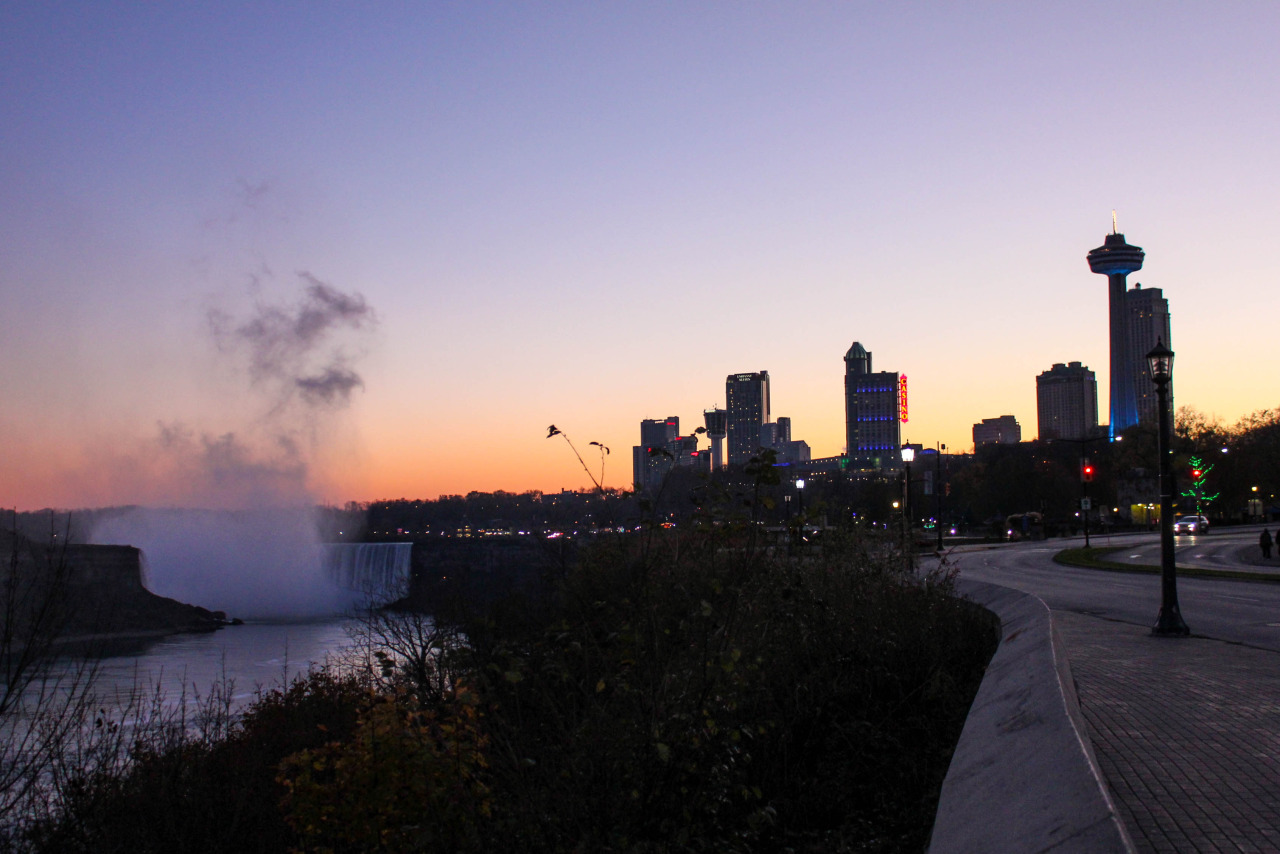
(589, 214)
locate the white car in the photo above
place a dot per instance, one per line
(1191, 525)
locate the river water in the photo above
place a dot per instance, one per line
(252, 657)
(194, 557)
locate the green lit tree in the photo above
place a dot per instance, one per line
(1198, 491)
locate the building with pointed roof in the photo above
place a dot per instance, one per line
(875, 405)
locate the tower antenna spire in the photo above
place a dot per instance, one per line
(1115, 229)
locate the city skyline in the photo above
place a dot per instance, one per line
(328, 254)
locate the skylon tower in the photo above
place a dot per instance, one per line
(1116, 259)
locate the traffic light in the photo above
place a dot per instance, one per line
(1086, 473)
(1195, 474)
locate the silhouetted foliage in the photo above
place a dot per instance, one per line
(683, 689)
(207, 785)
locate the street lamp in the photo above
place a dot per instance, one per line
(800, 494)
(1169, 621)
(908, 454)
(937, 494)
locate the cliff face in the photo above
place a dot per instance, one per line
(85, 591)
(108, 589)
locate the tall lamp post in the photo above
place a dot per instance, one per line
(937, 494)
(908, 454)
(1169, 621)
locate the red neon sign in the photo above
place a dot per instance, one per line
(902, 398)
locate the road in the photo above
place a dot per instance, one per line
(1186, 731)
(1227, 548)
(1245, 612)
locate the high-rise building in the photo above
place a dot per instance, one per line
(1116, 259)
(1004, 430)
(658, 431)
(653, 463)
(1067, 402)
(875, 404)
(782, 433)
(717, 424)
(1148, 323)
(747, 403)
(647, 467)
(776, 435)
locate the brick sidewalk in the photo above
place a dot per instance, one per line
(1187, 733)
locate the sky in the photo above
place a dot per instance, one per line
(263, 252)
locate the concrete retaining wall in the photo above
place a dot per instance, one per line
(1024, 777)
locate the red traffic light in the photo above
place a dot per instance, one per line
(1086, 473)
(1195, 473)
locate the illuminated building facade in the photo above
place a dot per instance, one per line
(875, 406)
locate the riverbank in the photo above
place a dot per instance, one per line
(84, 594)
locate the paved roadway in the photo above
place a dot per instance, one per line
(1225, 548)
(1187, 731)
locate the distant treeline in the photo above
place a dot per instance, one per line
(969, 491)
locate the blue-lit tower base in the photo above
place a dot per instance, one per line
(1116, 259)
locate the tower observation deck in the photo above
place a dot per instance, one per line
(717, 423)
(1116, 259)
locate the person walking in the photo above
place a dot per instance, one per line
(1264, 540)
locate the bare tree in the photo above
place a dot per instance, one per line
(45, 699)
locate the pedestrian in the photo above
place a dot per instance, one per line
(1265, 542)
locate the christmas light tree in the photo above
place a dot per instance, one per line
(1199, 476)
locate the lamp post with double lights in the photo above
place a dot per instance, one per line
(1169, 622)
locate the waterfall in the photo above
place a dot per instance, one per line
(378, 571)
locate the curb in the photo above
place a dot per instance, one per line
(1187, 570)
(1023, 777)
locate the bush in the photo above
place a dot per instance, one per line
(408, 779)
(685, 692)
(207, 787)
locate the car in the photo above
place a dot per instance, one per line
(1191, 525)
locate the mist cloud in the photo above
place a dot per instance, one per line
(332, 385)
(297, 349)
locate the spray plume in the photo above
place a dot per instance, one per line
(257, 554)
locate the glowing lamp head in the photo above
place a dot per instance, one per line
(1160, 363)
(908, 453)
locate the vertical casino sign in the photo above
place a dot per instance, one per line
(902, 398)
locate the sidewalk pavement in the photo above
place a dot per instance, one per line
(1186, 731)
